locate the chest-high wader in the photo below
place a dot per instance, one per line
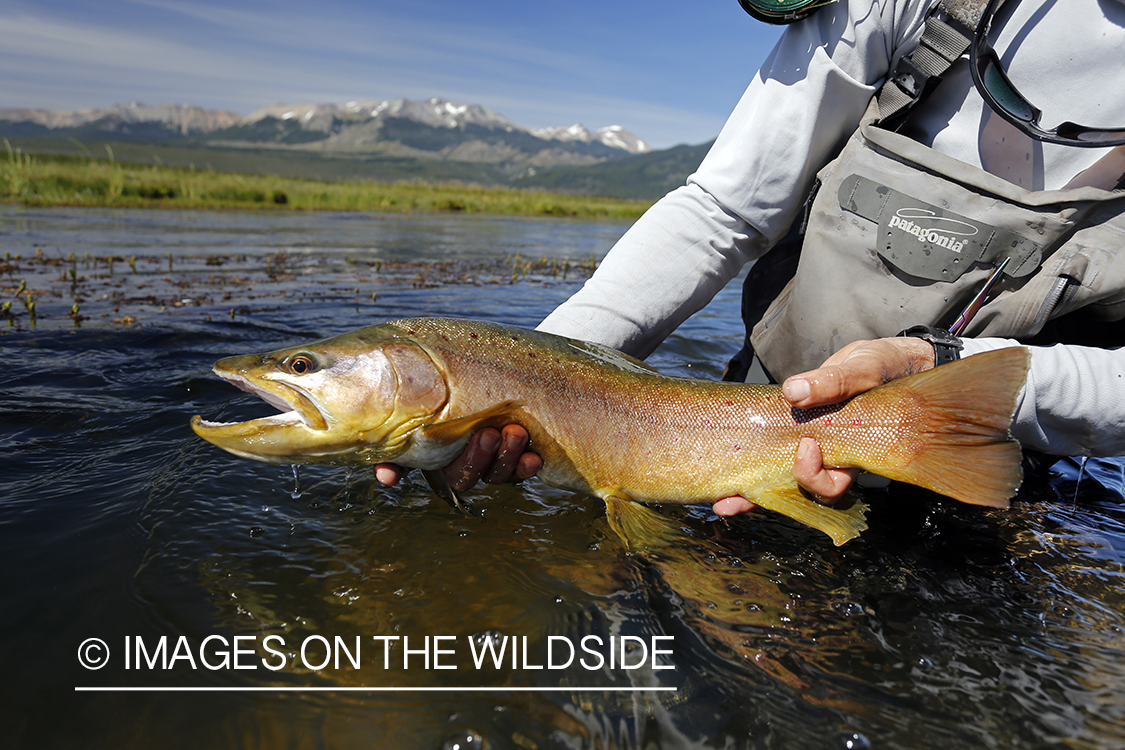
(897, 234)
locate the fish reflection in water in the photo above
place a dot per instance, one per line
(857, 642)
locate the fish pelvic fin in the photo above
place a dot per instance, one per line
(966, 450)
(454, 430)
(842, 521)
(640, 527)
(440, 485)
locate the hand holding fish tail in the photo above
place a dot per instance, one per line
(732, 506)
(827, 485)
(856, 368)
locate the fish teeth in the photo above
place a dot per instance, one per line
(208, 423)
(283, 418)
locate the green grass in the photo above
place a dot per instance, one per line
(76, 181)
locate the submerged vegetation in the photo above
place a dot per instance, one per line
(75, 181)
(51, 290)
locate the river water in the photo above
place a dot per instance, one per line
(240, 605)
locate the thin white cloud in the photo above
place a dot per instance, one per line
(382, 37)
(40, 40)
(240, 58)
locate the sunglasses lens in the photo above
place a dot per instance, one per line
(1082, 134)
(1000, 88)
(998, 92)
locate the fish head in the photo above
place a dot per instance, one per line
(354, 398)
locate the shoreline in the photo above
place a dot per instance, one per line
(43, 180)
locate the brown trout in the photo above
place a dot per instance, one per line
(413, 391)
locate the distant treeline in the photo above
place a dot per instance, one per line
(44, 180)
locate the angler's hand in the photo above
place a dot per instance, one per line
(858, 367)
(495, 456)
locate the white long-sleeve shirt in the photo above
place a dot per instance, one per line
(1065, 56)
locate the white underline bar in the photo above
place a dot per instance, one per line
(298, 689)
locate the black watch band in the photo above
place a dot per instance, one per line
(947, 347)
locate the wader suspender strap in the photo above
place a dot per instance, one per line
(946, 36)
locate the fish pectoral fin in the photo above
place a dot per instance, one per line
(438, 483)
(453, 430)
(439, 438)
(842, 521)
(639, 526)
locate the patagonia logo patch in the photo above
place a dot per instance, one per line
(927, 226)
(931, 242)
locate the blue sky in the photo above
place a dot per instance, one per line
(668, 71)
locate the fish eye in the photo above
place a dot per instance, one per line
(300, 365)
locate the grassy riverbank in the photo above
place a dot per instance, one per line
(34, 180)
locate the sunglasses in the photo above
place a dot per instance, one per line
(999, 93)
(782, 12)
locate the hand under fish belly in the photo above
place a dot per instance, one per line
(413, 392)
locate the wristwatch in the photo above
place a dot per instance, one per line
(947, 347)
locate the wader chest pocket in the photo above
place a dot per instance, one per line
(930, 242)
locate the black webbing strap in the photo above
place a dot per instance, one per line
(946, 36)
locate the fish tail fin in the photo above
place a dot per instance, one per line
(842, 521)
(965, 448)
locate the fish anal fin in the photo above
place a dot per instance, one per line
(454, 430)
(639, 526)
(841, 522)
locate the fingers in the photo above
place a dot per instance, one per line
(528, 466)
(827, 385)
(858, 367)
(389, 474)
(732, 506)
(495, 456)
(508, 462)
(467, 469)
(827, 485)
(850, 371)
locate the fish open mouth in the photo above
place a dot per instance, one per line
(295, 407)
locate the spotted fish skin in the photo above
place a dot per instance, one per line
(413, 391)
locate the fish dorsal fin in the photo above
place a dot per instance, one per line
(453, 430)
(612, 357)
(842, 521)
(640, 527)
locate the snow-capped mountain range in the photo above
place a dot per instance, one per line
(184, 119)
(349, 126)
(441, 113)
